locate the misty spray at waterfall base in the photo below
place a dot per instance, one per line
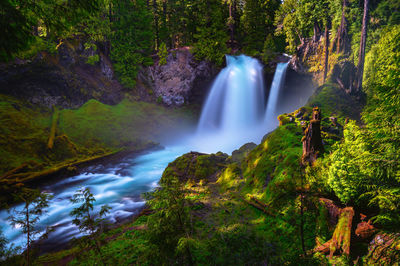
(237, 110)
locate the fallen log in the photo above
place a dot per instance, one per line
(54, 122)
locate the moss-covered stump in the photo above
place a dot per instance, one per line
(340, 242)
(195, 166)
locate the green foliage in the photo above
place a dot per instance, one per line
(297, 19)
(131, 40)
(37, 45)
(363, 170)
(89, 125)
(333, 101)
(170, 225)
(162, 54)
(35, 204)
(257, 23)
(22, 20)
(83, 216)
(93, 59)
(211, 35)
(272, 46)
(348, 169)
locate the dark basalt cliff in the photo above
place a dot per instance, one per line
(64, 79)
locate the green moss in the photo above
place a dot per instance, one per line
(93, 59)
(333, 101)
(230, 178)
(125, 124)
(23, 133)
(195, 166)
(274, 163)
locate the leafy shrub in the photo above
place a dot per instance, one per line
(93, 59)
(162, 54)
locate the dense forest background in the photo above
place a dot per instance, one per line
(352, 49)
(132, 31)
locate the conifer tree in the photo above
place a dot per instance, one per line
(35, 204)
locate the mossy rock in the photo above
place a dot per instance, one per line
(242, 152)
(196, 166)
(285, 119)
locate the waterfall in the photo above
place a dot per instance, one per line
(236, 99)
(277, 83)
(235, 112)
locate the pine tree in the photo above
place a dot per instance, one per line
(35, 204)
(132, 39)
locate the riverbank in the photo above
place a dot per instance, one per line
(79, 136)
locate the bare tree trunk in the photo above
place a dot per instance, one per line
(327, 26)
(317, 31)
(361, 54)
(342, 35)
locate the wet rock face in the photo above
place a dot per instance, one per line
(64, 79)
(181, 80)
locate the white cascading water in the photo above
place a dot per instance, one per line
(277, 83)
(233, 114)
(237, 97)
(235, 110)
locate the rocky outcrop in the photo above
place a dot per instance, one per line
(196, 166)
(181, 80)
(243, 152)
(67, 79)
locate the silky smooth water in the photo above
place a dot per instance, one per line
(234, 113)
(277, 83)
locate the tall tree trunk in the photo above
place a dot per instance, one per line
(342, 35)
(327, 26)
(361, 54)
(317, 31)
(155, 11)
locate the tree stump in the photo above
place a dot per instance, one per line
(312, 140)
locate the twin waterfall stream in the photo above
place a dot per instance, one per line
(236, 111)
